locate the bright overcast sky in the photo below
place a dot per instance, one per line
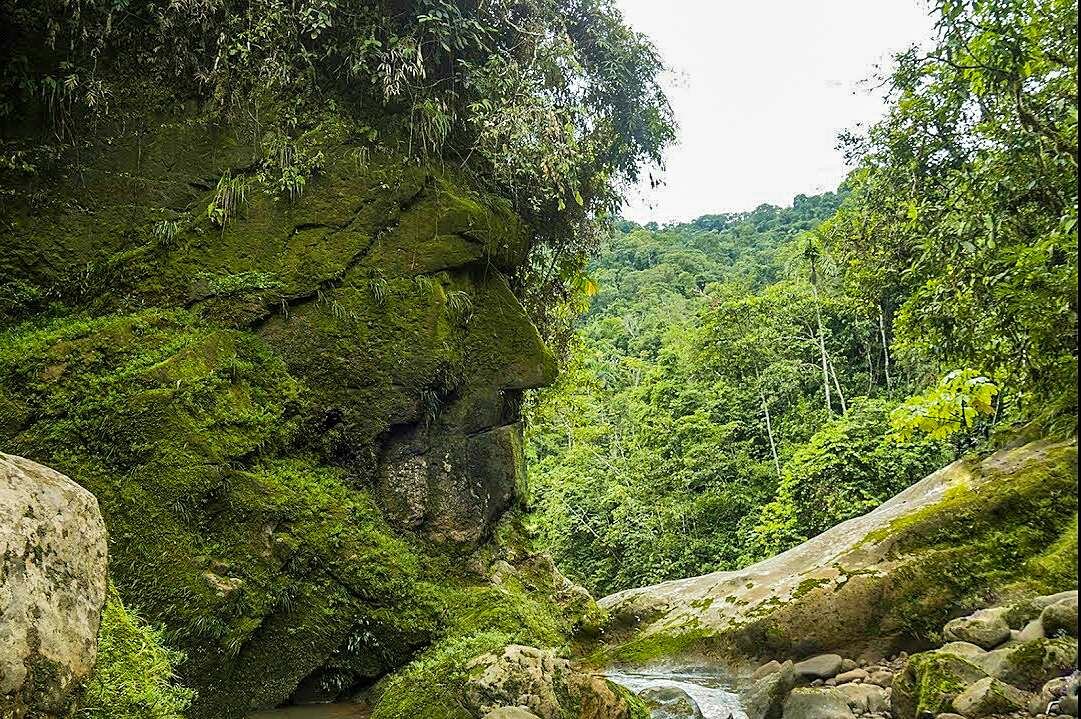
(760, 90)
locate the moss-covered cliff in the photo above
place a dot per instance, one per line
(300, 419)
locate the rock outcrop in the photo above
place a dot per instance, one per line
(299, 415)
(889, 580)
(52, 588)
(546, 685)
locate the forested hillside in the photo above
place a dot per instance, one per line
(744, 382)
(690, 432)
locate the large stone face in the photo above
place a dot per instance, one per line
(52, 588)
(878, 583)
(282, 416)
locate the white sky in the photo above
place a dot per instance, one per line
(761, 89)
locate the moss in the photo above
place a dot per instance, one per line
(226, 393)
(1017, 531)
(433, 685)
(808, 585)
(641, 650)
(929, 683)
(134, 674)
(1031, 664)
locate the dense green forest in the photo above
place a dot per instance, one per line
(691, 421)
(745, 381)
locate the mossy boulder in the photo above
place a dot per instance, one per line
(989, 696)
(1028, 665)
(930, 682)
(299, 416)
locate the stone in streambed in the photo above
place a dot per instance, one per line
(989, 696)
(1032, 631)
(1028, 665)
(865, 698)
(961, 649)
(1060, 618)
(824, 666)
(766, 669)
(854, 675)
(765, 698)
(986, 628)
(1068, 703)
(536, 679)
(1051, 691)
(807, 703)
(669, 703)
(929, 683)
(881, 678)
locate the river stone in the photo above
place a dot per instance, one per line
(961, 649)
(1060, 618)
(669, 703)
(1029, 665)
(1033, 630)
(854, 675)
(929, 683)
(986, 628)
(864, 698)
(1051, 691)
(806, 703)
(989, 696)
(767, 668)
(882, 678)
(52, 588)
(1068, 703)
(823, 666)
(765, 698)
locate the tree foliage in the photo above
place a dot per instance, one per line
(745, 382)
(557, 105)
(962, 216)
(691, 419)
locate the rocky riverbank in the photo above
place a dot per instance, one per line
(1007, 661)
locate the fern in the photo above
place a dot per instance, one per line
(230, 195)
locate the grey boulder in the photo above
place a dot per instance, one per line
(1060, 618)
(989, 696)
(669, 702)
(986, 628)
(865, 698)
(53, 565)
(808, 703)
(824, 666)
(765, 698)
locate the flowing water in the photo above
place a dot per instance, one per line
(714, 694)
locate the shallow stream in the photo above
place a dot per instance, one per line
(714, 694)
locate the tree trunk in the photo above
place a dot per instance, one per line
(769, 431)
(821, 345)
(885, 347)
(840, 394)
